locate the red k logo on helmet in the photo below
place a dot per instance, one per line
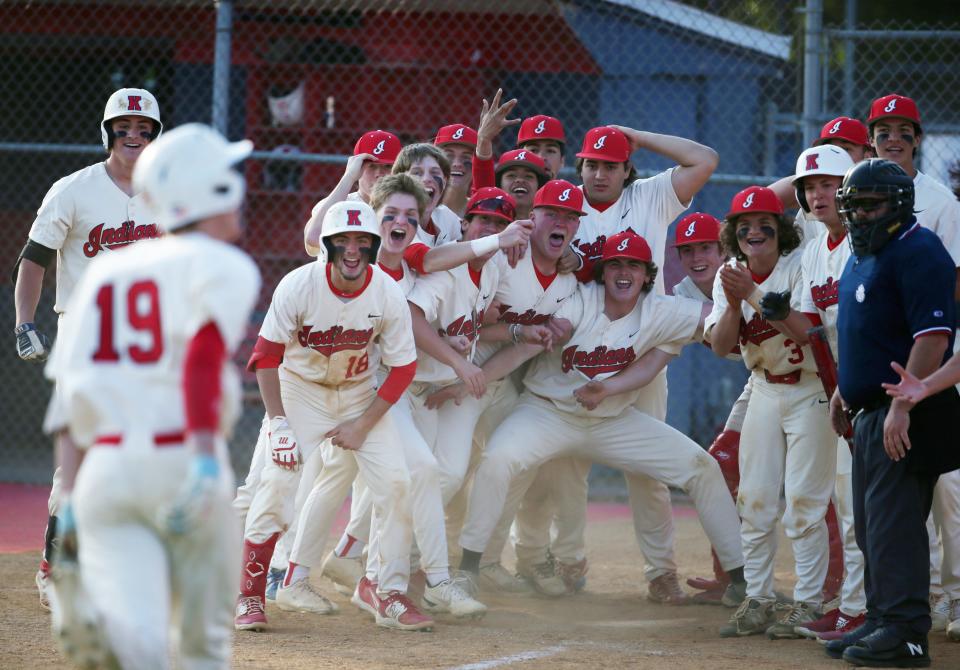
(133, 103)
(353, 217)
(813, 162)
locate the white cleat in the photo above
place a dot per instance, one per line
(452, 596)
(302, 597)
(345, 573)
(494, 578)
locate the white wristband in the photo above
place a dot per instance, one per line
(485, 245)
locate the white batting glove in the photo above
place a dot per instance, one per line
(283, 445)
(32, 345)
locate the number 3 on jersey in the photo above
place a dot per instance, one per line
(796, 352)
(143, 317)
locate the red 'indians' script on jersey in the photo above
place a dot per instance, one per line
(600, 361)
(463, 326)
(334, 339)
(757, 331)
(825, 295)
(126, 233)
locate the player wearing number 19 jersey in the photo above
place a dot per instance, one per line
(145, 389)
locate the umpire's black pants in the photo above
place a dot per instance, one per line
(891, 504)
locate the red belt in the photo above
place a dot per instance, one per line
(789, 378)
(170, 439)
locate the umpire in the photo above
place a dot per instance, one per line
(896, 304)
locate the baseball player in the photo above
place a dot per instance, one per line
(528, 295)
(430, 165)
(458, 142)
(399, 201)
(154, 326)
(521, 173)
(373, 157)
(617, 201)
(575, 403)
(544, 136)
(896, 134)
(328, 328)
(819, 173)
(84, 215)
(786, 442)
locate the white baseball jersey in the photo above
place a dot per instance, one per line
(599, 347)
(454, 303)
(686, 288)
(938, 210)
(524, 299)
(83, 215)
(447, 224)
(336, 340)
(822, 264)
(764, 347)
(119, 360)
(647, 207)
(810, 228)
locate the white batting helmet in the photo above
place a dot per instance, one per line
(129, 102)
(350, 216)
(825, 159)
(187, 175)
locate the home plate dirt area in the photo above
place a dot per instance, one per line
(609, 625)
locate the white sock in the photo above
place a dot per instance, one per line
(437, 576)
(349, 547)
(295, 573)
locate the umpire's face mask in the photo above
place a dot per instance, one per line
(869, 222)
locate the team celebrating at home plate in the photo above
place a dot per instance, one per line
(473, 333)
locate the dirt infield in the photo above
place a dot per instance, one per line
(608, 626)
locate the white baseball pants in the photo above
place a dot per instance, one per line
(853, 599)
(133, 571)
(786, 445)
(943, 527)
(634, 442)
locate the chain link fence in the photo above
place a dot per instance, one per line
(304, 79)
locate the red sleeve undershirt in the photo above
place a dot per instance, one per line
(414, 255)
(397, 382)
(814, 318)
(483, 173)
(201, 378)
(266, 354)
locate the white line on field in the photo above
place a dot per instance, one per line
(511, 659)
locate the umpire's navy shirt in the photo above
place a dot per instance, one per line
(887, 300)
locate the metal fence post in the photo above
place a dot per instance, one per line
(849, 58)
(221, 66)
(813, 34)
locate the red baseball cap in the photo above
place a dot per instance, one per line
(380, 144)
(492, 201)
(561, 194)
(755, 199)
(522, 158)
(626, 244)
(843, 128)
(541, 127)
(894, 105)
(456, 133)
(697, 227)
(605, 144)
